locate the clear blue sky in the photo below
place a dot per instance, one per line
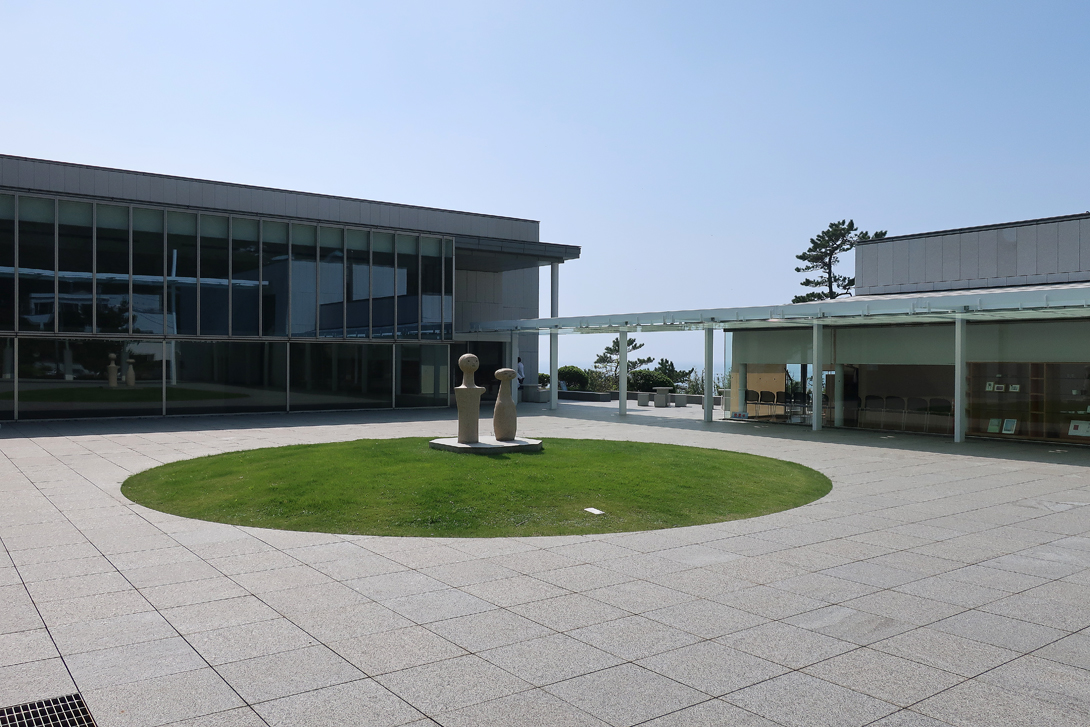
(691, 149)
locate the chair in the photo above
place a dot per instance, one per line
(940, 416)
(916, 415)
(768, 399)
(870, 415)
(893, 417)
(752, 397)
(781, 401)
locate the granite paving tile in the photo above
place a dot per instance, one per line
(625, 694)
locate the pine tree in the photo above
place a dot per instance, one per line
(823, 257)
(609, 360)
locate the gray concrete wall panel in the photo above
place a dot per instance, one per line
(902, 264)
(1067, 236)
(1084, 244)
(885, 265)
(951, 257)
(988, 253)
(1008, 253)
(970, 255)
(1048, 248)
(932, 259)
(1027, 250)
(917, 260)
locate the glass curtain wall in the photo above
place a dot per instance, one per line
(274, 278)
(383, 285)
(214, 277)
(222, 376)
(111, 269)
(7, 262)
(89, 377)
(147, 271)
(341, 376)
(182, 273)
(423, 375)
(431, 288)
(408, 287)
(7, 378)
(75, 267)
(36, 264)
(245, 277)
(357, 284)
(448, 289)
(304, 280)
(331, 283)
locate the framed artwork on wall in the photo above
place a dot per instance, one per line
(1009, 425)
(1000, 387)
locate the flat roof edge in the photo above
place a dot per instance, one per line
(264, 189)
(979, 228)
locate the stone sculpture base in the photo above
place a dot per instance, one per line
(487, 445)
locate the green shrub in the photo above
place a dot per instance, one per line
(642, 380)
(543, 379)
(573, 376)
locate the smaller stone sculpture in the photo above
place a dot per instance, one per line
(111, 371)
(505, 418)
(468, 396)
(130, 373)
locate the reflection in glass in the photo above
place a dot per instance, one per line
(182, 273)
(331, 283)
(214, 275)
(341, 376)
(147, 271)
(75, 261)
(274, 278)
(7, 262)
(245, 277)
(408, 287)
(448, 289)
(423, 375)
(383, 289)
(225, 376)
(7, 378)
(85, 378)
(431, 287)
(36, 264)
(112, 269)
(304, 274)
(358, 284)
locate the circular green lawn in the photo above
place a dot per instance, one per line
(402, 487)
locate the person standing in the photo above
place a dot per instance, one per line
(521, 372)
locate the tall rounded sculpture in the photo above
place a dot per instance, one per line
(468, 397)
(505, 416)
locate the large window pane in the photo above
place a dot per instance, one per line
(431, 287)
(182, 273)
(448, 289)
(383, 285)
(75, 262)
(331, 283)
(304, 280)
(214, 275)
(112, 269)
(245, 277)
(340, 376)
(274, 278)
(61, 378)
(220, 376)
(7, 378)
(358, 284)
(147, 271)
(422, 375)
(7, 262)
(408, 287)
(36, 264)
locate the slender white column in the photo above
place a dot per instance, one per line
(515, 365)
(709, 374)
(838, 386)
(554, 337)
(959, 379)
(817, 412)
(622, 373)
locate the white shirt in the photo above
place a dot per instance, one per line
(522, 371)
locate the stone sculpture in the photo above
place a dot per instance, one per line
(468, 396)
(130, 373)
(505, 417)
(111, 371)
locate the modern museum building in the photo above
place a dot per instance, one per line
(132, 294)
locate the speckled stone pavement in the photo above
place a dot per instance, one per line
(936, 584)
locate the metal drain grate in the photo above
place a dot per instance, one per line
(67, 711)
